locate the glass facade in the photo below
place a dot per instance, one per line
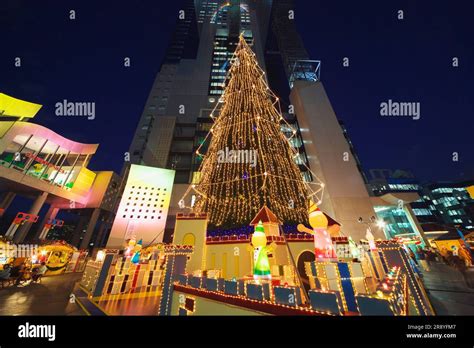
(305, 70)
(384, 181)
(396, 221)
(43, 159)
(452, 203)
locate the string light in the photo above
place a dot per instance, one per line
(414, 285)
(224, 297)
(247, 120)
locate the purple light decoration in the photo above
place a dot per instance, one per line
(247, 231)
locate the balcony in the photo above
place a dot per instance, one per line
(305, 70)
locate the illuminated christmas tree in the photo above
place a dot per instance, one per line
(249, 162)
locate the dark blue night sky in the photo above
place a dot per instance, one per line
(409, 60)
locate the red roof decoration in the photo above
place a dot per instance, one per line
(265, 215)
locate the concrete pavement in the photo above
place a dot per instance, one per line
(450, 294)
(50, 297)
(449, 291)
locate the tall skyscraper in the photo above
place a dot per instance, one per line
(176, 117)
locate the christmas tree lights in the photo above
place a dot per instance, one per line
(249, 162)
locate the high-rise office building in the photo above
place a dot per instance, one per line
(452, 202)
(176, 117)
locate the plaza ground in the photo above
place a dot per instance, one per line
(449, 291)
(50, 297)
(131, 304)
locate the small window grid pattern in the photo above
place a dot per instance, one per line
(144, 203)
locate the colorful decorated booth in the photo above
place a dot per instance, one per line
(4, 255)
(57, 256)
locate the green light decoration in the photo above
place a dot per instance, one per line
(261, 269)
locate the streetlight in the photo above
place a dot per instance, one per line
(381, 224)
(370, 237)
